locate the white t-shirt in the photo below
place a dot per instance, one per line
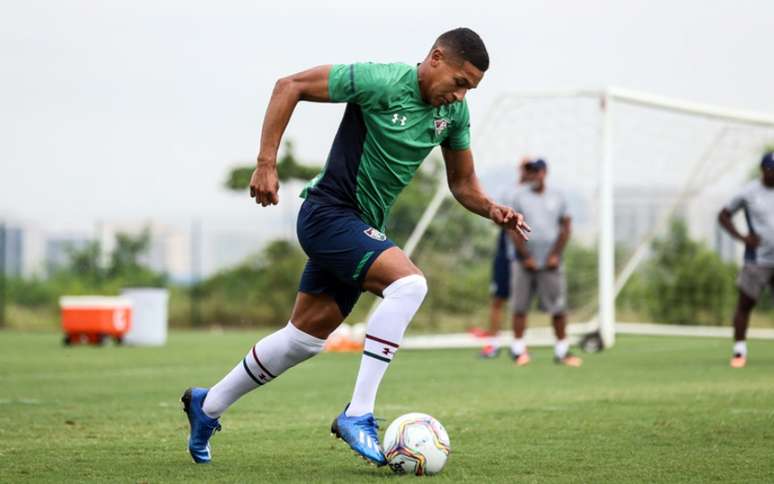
(543, 212)
(506, 196)
(757, 200)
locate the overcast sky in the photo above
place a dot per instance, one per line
(138, 109)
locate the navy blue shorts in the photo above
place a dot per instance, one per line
(341, 248)
(501, 278)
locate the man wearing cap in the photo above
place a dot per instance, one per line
(538, 266)
(756, 198)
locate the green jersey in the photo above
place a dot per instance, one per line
(386, 132)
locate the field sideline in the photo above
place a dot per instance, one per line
(653, 409)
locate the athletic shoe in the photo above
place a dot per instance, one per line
(569, 360)
(521, 360)
(738, 361)
(361, 435)
(202, 426)
(489, 351)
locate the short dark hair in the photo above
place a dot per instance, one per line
(467, 45)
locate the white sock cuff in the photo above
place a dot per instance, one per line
(414, 280)
(740, 347)
(562, 347)
(305, 339)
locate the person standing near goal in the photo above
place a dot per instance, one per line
(757, 200)
(500, 287)
(538, 266)
(395, 115)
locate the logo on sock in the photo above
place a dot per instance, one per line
(386, 351)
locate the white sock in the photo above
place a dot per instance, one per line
(561, 348)
(740, 348)
(267, 359)
(518, 346)
(384, 334)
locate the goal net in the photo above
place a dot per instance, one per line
(644, 178)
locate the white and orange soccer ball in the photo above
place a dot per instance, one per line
(416, 443)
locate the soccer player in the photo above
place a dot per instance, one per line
(757, 200)
(538, 265)
(500, 286)
(395, 115)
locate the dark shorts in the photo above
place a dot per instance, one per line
(341, 248)
(501, 278)
(754, 278)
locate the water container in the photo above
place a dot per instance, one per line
(149, 316)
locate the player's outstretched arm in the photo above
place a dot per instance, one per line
(309, 85)
(464, 185)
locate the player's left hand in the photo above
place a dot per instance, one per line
(510, 219)
(552, 262)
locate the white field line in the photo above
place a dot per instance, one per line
(544, 336)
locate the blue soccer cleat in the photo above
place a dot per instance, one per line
(360, 433)
(202, 426)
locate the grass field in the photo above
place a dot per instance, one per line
(653, 409)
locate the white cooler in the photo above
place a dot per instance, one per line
(149, 316)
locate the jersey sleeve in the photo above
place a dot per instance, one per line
(459, 131)
(737, 201)
(359, 83)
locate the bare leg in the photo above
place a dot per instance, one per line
(744, 307)
(316, 314)
(391, 265)
(559, 321)
(519, 325)
(495, 315)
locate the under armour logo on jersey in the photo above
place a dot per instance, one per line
(396, 118)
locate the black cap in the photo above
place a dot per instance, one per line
(537, 165)
(767, 161)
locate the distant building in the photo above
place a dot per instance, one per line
(24, 250)
(169, 251)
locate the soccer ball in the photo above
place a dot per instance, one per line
(416, 443)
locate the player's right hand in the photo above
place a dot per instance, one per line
(264, 185)
(752, 240)
(529, 264)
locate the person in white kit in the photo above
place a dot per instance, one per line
(756, 198)
(538, 266)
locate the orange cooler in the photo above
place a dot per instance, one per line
(94, 319)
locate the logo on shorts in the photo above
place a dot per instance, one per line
(375, 234)
(440, 125)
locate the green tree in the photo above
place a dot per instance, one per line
(85, 263)
(684, 282)
(126, 264)
(258, 292)
(288, 168)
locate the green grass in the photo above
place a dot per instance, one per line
(650, 410)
